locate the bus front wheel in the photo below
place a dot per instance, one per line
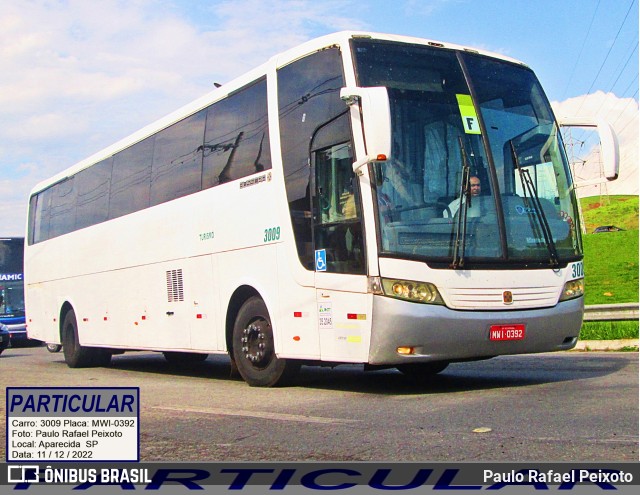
(253, 349)
(75, 355)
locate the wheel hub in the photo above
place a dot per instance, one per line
(254, 342)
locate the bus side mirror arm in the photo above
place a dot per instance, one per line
(366, 160)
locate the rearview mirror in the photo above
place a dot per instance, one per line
(375, 118)
(609, 149)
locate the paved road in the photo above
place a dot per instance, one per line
(551, 407)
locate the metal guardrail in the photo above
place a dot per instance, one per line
(611, 312)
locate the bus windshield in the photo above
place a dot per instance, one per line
(11, 281)
(477, 172)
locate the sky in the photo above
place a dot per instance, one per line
(77, 75)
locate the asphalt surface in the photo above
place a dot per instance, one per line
(565, 406)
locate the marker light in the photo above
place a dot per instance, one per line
(404, 350)
(572, 289)
(375, 285)
(422, 292)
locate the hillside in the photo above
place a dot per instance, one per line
(611, 258)
(621, 211)
(611, 267)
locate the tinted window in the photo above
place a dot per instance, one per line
(163, 167)
(63, 208)
(35, 219)
(237, 136)
(308, 98)
(131, 179)
(177, 160)
(42, 204)
(92, 185)
(336, 212)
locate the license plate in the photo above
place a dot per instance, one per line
(506, 332)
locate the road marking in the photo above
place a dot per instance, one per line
(259, 414)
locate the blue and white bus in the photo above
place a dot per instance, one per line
(12, 287)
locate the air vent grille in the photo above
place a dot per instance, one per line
(175, 289)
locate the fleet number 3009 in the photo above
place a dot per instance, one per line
(272, 234)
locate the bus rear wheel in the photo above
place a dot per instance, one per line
(75, 355)
(253, 349)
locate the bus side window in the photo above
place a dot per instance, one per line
(41, 208)
(337, 223)
(336, 202)
(176, 170)
(93, 184)
(308, 97)
(131, 179)
(236, 142)
(63, 208)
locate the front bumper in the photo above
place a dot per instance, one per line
(438, 333)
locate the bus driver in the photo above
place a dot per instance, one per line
(476, 190)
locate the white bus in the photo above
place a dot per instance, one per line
(318, 210)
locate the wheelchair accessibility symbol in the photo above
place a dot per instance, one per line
(321, 260)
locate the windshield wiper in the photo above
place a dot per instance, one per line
(529, 187)
(465, 201)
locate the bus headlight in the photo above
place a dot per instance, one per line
(572, 289)
(421, 292)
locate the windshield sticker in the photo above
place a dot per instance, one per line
(468, 113)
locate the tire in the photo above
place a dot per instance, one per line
(253, 349)
(422, 372)
(75, 355)
(54, 347)
(184, 358)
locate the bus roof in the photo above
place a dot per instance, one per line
(338, 38)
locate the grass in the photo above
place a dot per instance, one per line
(611, 262)
(621, 211)
(609, 330)
(611, 267)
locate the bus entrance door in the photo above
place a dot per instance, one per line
(340, 273)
